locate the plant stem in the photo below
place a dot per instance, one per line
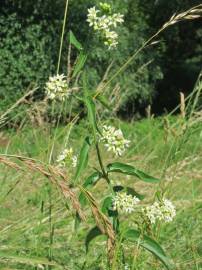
(105, 175)
(62, 36)
(100, 161)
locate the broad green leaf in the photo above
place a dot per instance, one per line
(149, 244)
(74, 41)
(104, 101)
(93, 233)
(129, 190)
(91, 113)
(107, 204)
(130, 170)
(79, 63)
(28, 260)
(89, 182)
(92, 179)
(107, 207)
(83, 158)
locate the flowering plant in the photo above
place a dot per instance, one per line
(121, 200)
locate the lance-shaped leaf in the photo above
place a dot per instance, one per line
(83, 158)
(149, 244)
(130, 170)
(91, 113)
(92, 234)
(107, 204)
(74, 41)
(92, 179)
(128, 190)
(79, 63)
(89, 182)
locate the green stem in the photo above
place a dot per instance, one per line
(50, 227)
(62, 36)
(105, 175)
(100, 161)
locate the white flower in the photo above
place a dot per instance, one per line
(92, 16)
(126, 267)
(105, 24)
(66, 157)
(56, 87)
(153, 212)
(168, 210)
(113, 140)
(111, 39)
(160, 211)
(117, 18)
(125, 203)
(74, 161)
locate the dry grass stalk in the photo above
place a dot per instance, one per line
(182, 105)
(102, 222)
(10, 164)
(19, 101)
(105, 76)
(191, 14)
(195, 119)
(181, 169)
(37, 112)
(52, 174)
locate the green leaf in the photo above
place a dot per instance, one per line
(91, 113)
(130, 170)
(82, 199)
(89, 182)
(93, 233)
(107, 207)
(107, 204)
(92, 179)
(74, 41)
(79, 63)
(104, 101)
(129, 190)
(27, 260)
(83, 158)
(149, 244)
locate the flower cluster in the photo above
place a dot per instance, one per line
(113, 140)
(105, 23)
(56, 87)
(125, 203)
(160, 211)
(66, 158)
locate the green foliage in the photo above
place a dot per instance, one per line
(83, 158)
(30, 34)
(130, 170)
(25, 55)
(147, 243)
(112, 217)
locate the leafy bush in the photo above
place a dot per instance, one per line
(25, 55)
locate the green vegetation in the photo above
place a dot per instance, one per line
(30, 37)
(25, 199)
(81, 188)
